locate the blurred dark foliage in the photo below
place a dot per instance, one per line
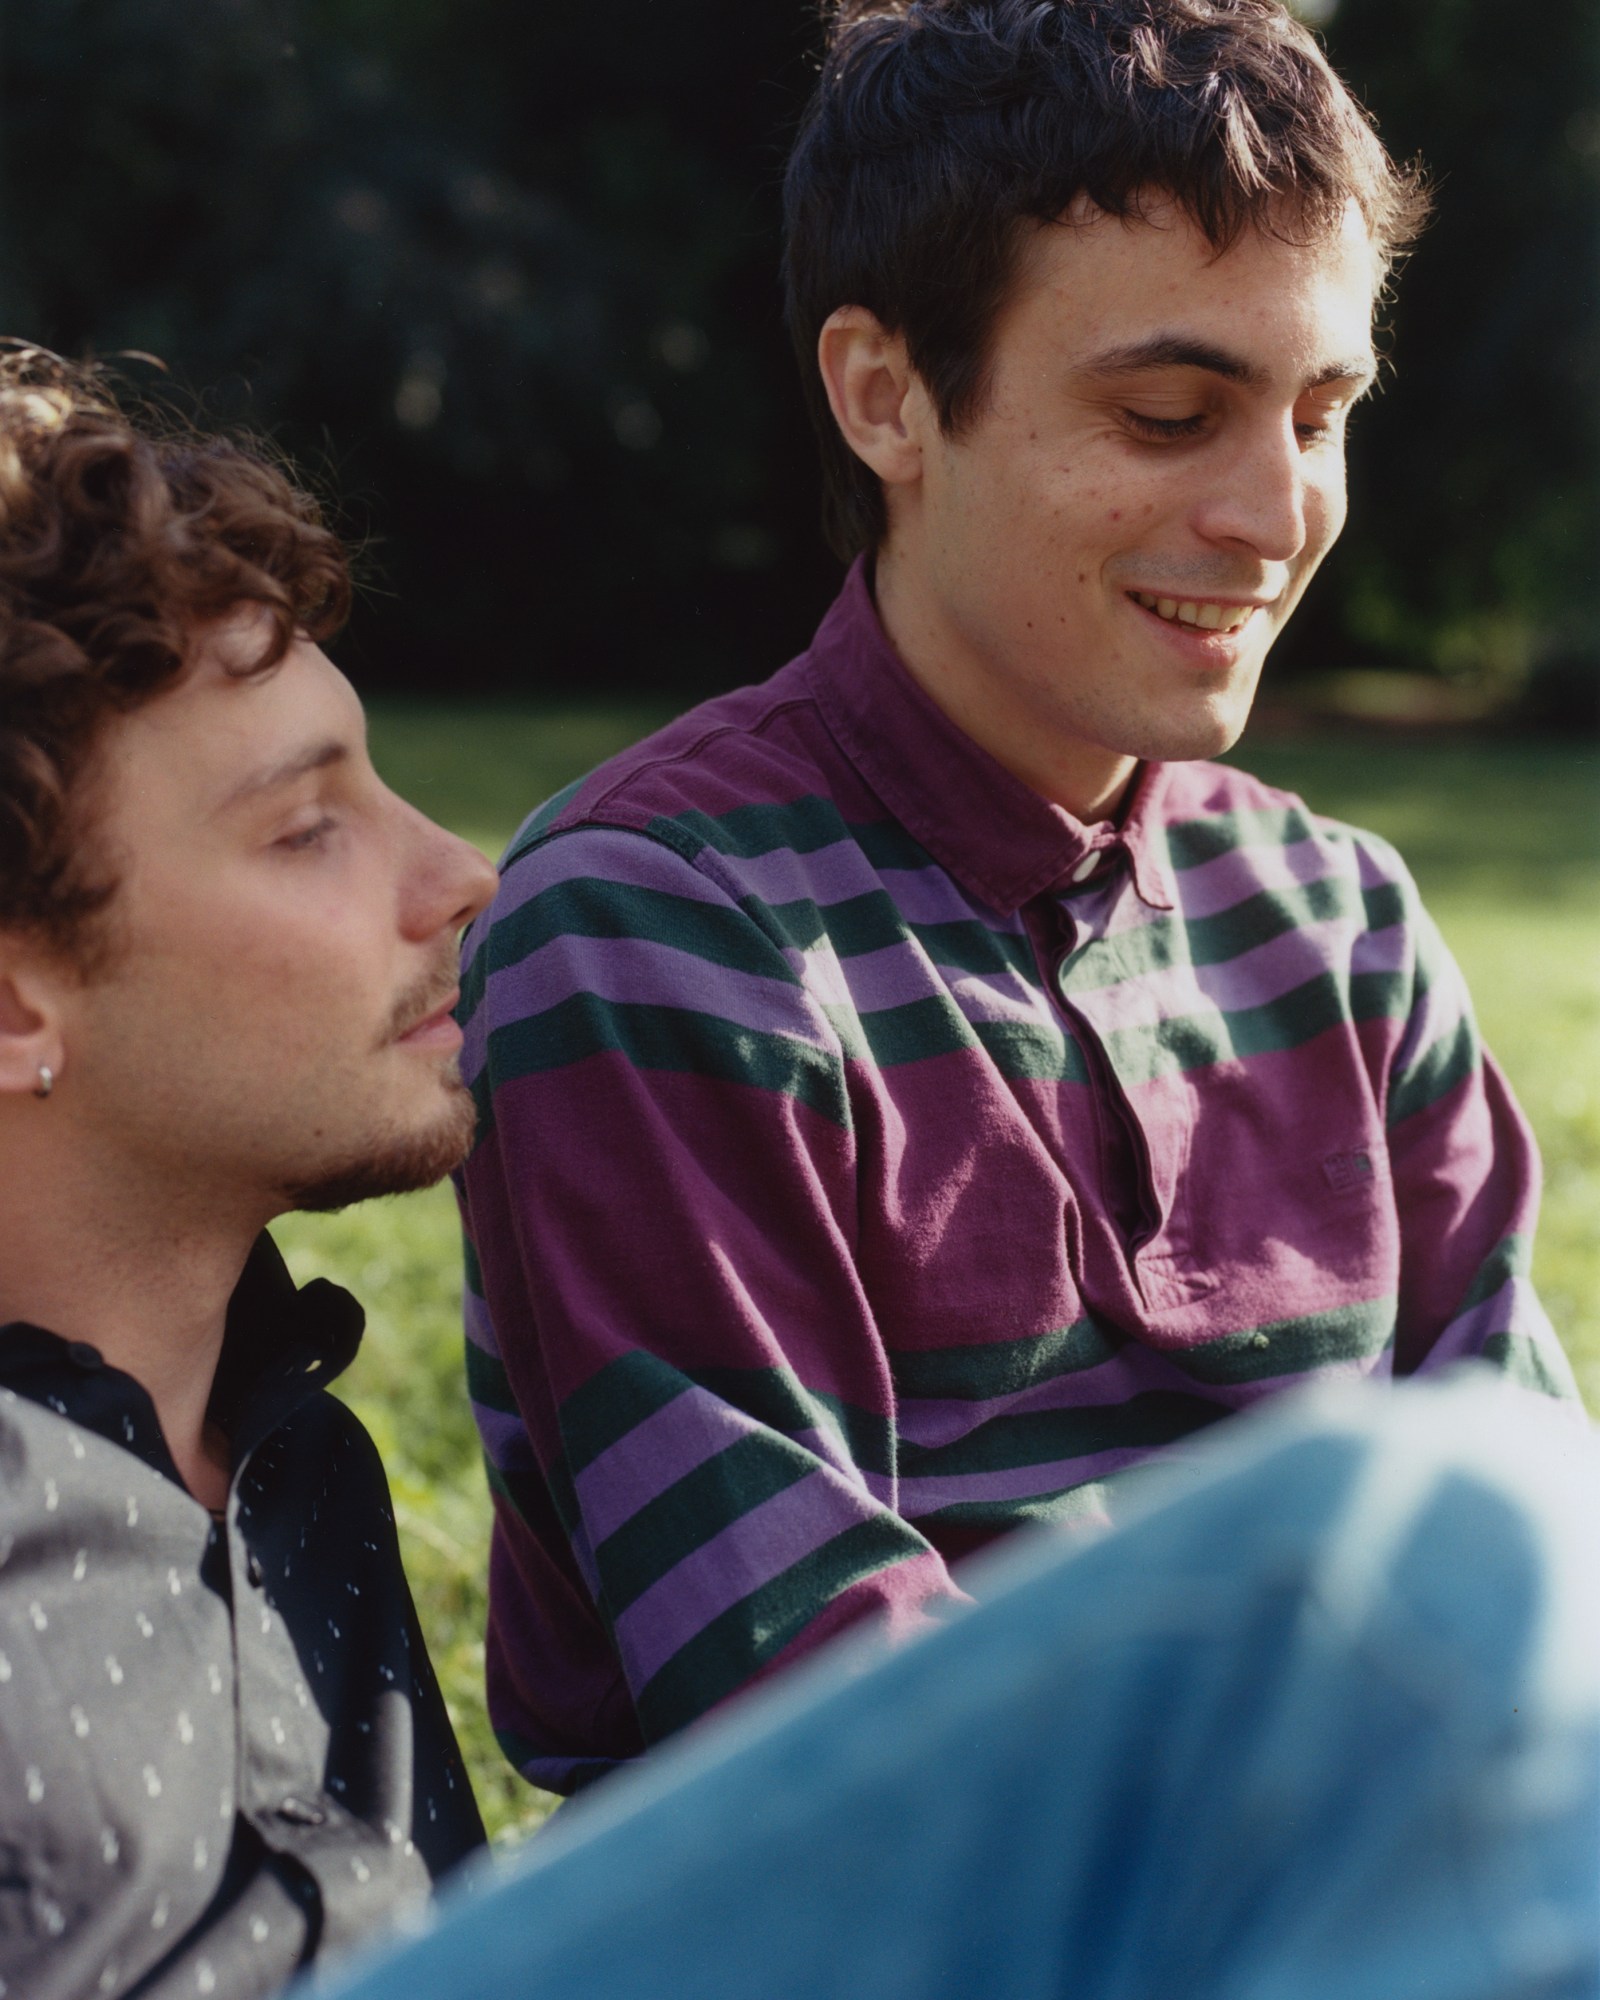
(506, 271)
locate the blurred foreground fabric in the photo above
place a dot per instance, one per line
(1322, 1718)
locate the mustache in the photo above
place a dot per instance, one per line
(425, 996)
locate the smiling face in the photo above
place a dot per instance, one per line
(270, 1026)
(1091, 571)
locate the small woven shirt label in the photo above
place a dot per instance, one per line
(1344, 1171)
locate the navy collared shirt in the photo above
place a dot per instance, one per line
(222, 1749)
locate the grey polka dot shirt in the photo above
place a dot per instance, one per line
(222, 1750)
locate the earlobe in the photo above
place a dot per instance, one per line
(873, 392)
(31, 1053)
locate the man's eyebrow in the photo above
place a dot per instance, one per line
(1168, 350)
(319, 757)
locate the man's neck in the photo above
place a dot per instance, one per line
(1086, 779)
(147, 1283)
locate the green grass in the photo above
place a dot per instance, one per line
(1504, 839)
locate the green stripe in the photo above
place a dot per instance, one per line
(1269, 914)
(703, 1503)
(916, 1031)
(721, 1657)
(471, 1269)
(1032, 1052)
(986, 1369)
(1062, 1506)
(777, 1398)
(1532, 1364)
(592, 907)
(1191, 843)
(853, 926)
(1442, 1067)
(474, 981)
(1195, 1041)
(1022, 1051)
(614, 1401)
(545, 1506)
(870, 922)
(636, 1385)
(1357, 1332)
(1511, 1257)
(673, 1039)
(487, 1382)
(540, 820)
(1047, 1437)
(968, 946)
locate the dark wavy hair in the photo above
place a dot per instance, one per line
(123, 530)
(941, 131)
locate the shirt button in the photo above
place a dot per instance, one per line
(252, 1568)
(84, 1355)
(299, 1813)
(1085, 868)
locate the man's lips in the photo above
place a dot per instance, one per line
(438, 1027)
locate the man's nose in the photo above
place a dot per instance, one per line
(1260, 499)
(449, 881)
(478, 878)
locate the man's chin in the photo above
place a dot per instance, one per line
(400, 1164)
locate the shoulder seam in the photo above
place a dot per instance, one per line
(689, 750)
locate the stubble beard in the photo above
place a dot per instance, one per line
(403, 1163)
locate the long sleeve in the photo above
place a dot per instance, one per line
(1467, 1182)
(685, 1401)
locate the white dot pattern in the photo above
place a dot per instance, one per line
(153, 1700)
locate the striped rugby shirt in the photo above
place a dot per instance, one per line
(873, 1157)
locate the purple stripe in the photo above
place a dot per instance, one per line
(504, 1438)
(837, 873)
(1515, 1308)
(830, 1448)
(932, 1422)
(1004, 996)
(637, 971)
(669, 1444)
(929, 896)
(605, 855)
(743, 1556)
(1435, 1015)
(478, 1326)
(901, 974)
(1234, 877)
(1251, 979)
(554, 1774)
(654, 1455)
(921, 1497)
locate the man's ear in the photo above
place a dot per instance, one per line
(877, 398)
(31, 1038)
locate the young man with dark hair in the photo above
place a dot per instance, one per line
(915, 1091)
(227, 962)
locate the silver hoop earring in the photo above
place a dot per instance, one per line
(47, 1081)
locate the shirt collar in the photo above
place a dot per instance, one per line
(999, 839)
(279, 1346)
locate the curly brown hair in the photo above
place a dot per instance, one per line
(123, 530)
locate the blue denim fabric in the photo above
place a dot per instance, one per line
(1319, 1721)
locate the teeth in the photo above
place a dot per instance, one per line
(1209, 617)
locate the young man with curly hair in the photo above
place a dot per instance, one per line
(227, 962)
(921, 1088)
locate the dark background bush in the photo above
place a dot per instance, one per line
(507, 271)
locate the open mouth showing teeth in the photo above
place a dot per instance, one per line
(1183, 611)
